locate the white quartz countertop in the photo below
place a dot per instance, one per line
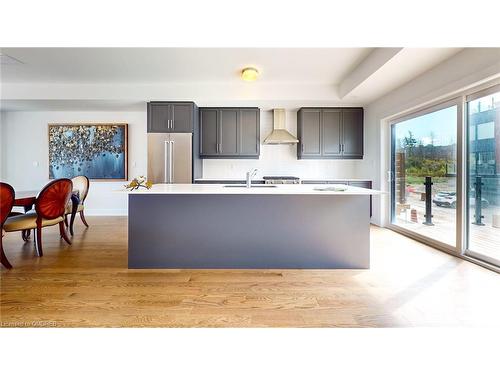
(302, 179)
(277, 190)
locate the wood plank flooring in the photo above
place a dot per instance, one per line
(88, 285)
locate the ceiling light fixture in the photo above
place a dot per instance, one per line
(249, 74)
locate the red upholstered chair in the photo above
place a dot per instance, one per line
(50, 206)
(6, 202)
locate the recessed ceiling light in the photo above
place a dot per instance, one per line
(8, 60)
(249, 74)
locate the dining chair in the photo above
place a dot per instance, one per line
(7, 196)
(80, 184)
(50, 206)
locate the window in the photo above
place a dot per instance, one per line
(483, 177)
(445, 175)
(425, 152)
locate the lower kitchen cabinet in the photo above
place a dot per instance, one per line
(230, 133)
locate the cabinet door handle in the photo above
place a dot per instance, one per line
(220, 148)
(302, 147)
(166, 154)
(171, 162)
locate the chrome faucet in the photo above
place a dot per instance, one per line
(250, 174)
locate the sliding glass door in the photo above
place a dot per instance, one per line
(483, 176)
(424, 199)
(445, 175)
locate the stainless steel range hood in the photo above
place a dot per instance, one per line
(279, 135)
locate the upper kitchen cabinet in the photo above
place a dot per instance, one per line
(352, 132)
(309, 133)
(330, 133)
(171, 117)
(230, 133)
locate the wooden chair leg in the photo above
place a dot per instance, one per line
(25, 234)
(3, 258)
(62, 232)
(82, 216)
(38, 241)
(71, 223)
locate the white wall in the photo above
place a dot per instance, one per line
(24, 144)
(469, 68)
(281, 159)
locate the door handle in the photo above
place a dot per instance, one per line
(171, 161)
(165, 161)
(302, 147)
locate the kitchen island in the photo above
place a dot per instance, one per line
(218, 226)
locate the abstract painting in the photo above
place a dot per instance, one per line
(98, 151)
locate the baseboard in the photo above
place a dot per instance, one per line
(106, 212)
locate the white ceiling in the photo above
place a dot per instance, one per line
(292, 74)
(403, 67)
(73, 105)
(179, 65)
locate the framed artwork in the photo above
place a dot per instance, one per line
(98, 151)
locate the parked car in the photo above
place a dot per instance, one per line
(445, 199)
(449, 199)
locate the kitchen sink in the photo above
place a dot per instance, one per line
(251, 187)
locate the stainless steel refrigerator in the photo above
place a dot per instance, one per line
(170, 158)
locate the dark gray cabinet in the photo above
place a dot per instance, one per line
(171, 117)
(310, 133)
(209, 131)
(330, 133)
(331, 138)
(230, 133)
(250, 132)
(352, 132)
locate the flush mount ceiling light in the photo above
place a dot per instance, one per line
(249, 74)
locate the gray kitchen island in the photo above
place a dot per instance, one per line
(217, 226)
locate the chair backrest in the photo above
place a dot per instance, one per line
(7, 196)
(82, 184)
(51, 201)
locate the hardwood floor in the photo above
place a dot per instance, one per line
(88, 284)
